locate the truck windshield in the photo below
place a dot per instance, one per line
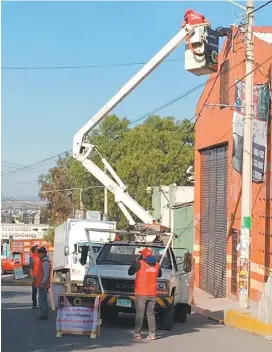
(122, 254)
(96, 248)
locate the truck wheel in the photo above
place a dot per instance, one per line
(168, 318)
(181, 312)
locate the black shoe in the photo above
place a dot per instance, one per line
(42, 318)
(35, 307)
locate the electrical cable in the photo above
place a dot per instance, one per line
(83, 66)
(72, 189)
(27, 168)
(18, 166)
(103, 65)
(33, 166)
(260, 7)
(178, 98)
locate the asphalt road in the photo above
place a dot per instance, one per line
(21, 333)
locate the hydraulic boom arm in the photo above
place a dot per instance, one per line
(82, 149)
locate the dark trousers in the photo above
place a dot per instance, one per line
(43, 302)
(34, 295)
(145, 304)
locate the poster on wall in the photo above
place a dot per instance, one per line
(261, 102)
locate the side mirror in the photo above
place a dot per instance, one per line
(188, 262)
(66, 251)
(84, 255)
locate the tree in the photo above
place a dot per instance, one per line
(60, 203)
(49, 235)
(154, 153)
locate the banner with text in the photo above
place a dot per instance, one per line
(261, 102)
(77, 316)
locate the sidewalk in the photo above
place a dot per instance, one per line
(212, 308)
(226, 311)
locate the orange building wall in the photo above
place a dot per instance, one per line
(214, 126)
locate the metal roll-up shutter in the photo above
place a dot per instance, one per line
(213, 221)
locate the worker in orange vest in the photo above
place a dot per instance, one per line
(147, 271)
(42, 282)
(193, 18)
(34, 261)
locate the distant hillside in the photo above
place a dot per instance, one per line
(21, 204)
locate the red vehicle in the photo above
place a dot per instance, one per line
(20, 254)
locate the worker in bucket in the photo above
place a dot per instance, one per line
(193, 18)
(34, 261)
(147, 271)
(42, 283)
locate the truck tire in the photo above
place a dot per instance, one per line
(168, 316)
(181, 311)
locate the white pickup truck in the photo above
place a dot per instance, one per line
(111, 268)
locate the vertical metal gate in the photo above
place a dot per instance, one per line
(213, 220)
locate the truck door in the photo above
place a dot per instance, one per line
(177, 275)
(182, 295)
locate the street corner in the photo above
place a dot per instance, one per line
(247, 322)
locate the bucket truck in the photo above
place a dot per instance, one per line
(108, 277)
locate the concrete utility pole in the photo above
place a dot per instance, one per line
(244, 270)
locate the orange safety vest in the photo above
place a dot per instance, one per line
(193, 18)
(36, 261)
(39, 276)
(146, 279)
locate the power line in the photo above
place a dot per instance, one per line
(18, 166)
(260, 7)
(29, 167)
(71, 189)
(178, 98)
(171, 102)
(33, 166)
(82, 66)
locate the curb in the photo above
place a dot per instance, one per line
(245, 321)
(208, 314)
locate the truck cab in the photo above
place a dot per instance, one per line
(111, 268)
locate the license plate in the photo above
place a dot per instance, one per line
(123, 303)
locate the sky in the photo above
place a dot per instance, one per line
(43, 109)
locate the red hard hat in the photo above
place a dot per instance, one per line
(188, 11)
(146, 252)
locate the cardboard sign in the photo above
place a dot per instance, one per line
(77, 315)
(18, 272)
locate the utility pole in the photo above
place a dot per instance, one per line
(105, 200)
(81, 208)
(244, 270)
